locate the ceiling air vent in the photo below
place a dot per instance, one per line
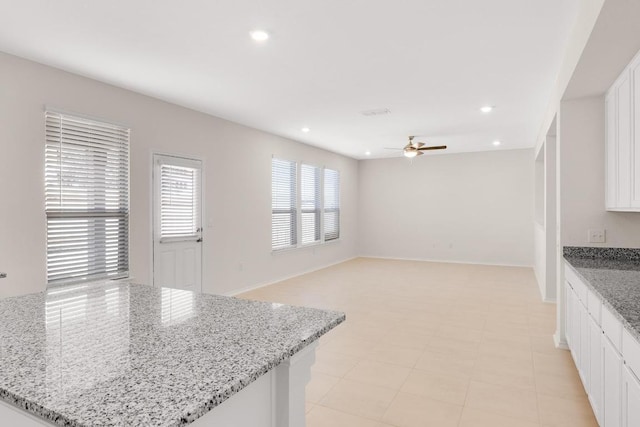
(377, 112)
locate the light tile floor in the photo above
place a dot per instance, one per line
(435, 344)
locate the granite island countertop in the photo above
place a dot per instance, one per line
(118, 354)
(614, 275)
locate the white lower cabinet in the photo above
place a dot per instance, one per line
(576, 330)
(585, 350)
(630, 399)
(568, 310)
(606, 355)
(596, 389)
(612, 384)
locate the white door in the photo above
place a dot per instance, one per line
(177, 230)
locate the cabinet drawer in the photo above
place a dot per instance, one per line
(579, 288)
(612, 328)
(594, 305)
(631, 352)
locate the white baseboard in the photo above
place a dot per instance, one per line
(561, 344)
(283, 278)
(447, 261)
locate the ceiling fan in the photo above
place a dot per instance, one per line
(413, 149)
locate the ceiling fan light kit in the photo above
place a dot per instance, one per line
(413, 149)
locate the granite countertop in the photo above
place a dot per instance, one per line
(118, 354)
(614, 275)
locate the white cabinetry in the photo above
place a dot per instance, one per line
(630, 399)
(622, 111)
(596, 389)
(606, 354)
(612, 381)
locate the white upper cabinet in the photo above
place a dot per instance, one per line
(635, 126)
(622, 109)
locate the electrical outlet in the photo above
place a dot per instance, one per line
(596, 236)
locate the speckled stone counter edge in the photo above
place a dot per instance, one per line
(188, 417)
(235, 388)
(632, 330)
(623, 254)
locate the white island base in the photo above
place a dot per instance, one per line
(276, 399)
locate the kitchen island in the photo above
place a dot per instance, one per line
(119, 354)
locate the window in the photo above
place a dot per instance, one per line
(331, 204)
(86, 199)
(284, 225)
(310, 203)
(179, 199)
(319, 204)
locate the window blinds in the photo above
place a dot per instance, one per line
(86, 199)
(180, 201)
(310, 203)
(283, 204)
(331, 204)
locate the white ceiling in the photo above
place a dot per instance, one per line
(432, 63)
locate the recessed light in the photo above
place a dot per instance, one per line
(306, 130)
(367, 153)
(496, 143)
(487, 109)
(259, 35)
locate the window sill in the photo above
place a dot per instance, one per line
(128, 279)
(307, 246)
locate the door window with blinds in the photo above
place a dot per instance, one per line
(179, 196)
(86, 199)
(305, 204)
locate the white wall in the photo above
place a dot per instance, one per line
(582, 136)
(473, 207)
(588, 12)
(237, 180)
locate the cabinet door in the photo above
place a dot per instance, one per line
(635, 136)
(624, 140)
(575, 325)
(630, 399)
(568, 313)
(611, 152)
(612, 376)
(585, 332)
(595, 369)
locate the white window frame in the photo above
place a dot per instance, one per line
(296, 205)
(126, 275)
(324, 210)
(322, 241)
(320, 204)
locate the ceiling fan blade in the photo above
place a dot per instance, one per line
(436, 147)
(419, 145)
